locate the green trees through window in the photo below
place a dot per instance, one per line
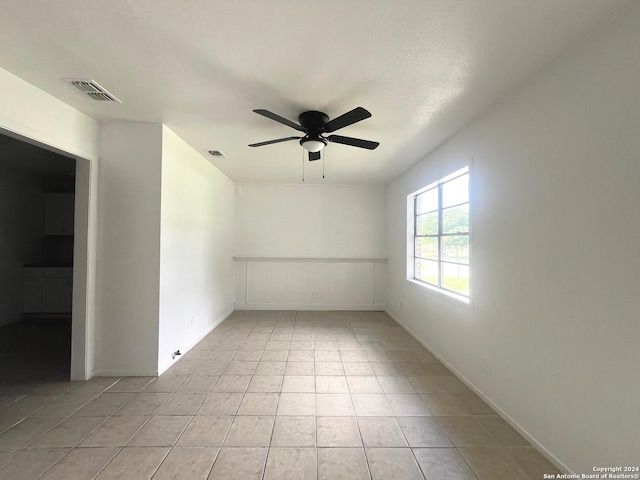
(441, 233)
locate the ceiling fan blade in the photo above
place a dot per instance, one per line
(278, 118)
(356, 115)
(269, 142)
(354, 142)
(314, 156)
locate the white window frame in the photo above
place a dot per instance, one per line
(411, 236)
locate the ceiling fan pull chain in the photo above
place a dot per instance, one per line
(303, 152)
(323, 155)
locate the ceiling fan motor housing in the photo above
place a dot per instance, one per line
(313, 121)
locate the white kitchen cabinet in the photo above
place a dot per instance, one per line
(57, 290)
(58, 213)
(48, 289)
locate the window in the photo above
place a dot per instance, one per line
(441, 234)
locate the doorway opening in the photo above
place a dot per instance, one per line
(37, 245)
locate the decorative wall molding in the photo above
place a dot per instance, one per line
(310, 259)
(310, 283)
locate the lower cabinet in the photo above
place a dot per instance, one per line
(48, 289)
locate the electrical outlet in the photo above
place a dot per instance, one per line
(487, 365)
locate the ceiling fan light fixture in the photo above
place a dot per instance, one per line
(313, 144)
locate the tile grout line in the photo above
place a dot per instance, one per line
(228, 430)
(364, 449)
(222, 442)
(121, 448)
(66, 418)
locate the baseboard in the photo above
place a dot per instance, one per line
(160, 371)
(125, 373)
(198, 339)
(522, 431)
(306, 306)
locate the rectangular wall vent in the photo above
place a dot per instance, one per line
(216, 153)
(92, 90)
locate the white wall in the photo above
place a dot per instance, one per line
(30, 112)
(310, 247)
(21, 235)
(196, 248)
(555, 259)
(128, 267)
(310, 221)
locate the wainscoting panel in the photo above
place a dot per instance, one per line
(310, 284)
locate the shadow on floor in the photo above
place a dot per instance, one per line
(34, 352)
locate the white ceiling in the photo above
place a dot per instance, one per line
(423, 68)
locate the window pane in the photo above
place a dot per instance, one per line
(456, 191)
(427, 271)
(427, 224)
(441, 237)
(427, 201)
(427, 247)
(455, 248)
(455, 219)
(456, 278)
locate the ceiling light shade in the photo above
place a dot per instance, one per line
(313, 144)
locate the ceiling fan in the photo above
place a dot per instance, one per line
(314, 124)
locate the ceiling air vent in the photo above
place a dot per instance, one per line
(93, 90)
(216, 153)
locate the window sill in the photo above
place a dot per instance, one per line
(444, 293)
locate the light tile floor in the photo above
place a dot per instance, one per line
(273, 396)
